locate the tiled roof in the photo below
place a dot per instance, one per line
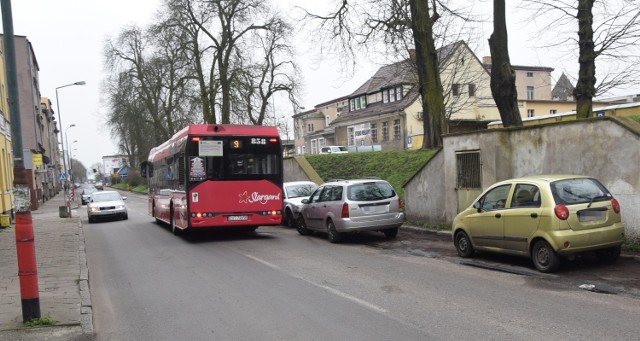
(403, 72)
(379, 108)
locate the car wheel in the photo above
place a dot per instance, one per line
(333, 235)
(391, 233)
(125, 216)
(289, 218)
(544, 257)
(463, 245)
(301, 226)
(608, 255)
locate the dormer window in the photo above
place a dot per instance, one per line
(358, 103)
(392, 94)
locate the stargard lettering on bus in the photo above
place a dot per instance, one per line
(257, 197)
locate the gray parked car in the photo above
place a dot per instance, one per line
(294, 193)
(343, 206)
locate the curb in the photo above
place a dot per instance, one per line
(448, 233)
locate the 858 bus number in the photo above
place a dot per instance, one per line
(256, 140)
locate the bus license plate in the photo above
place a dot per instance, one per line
(237, 218)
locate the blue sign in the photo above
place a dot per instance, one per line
(61, 176)
(599, 113)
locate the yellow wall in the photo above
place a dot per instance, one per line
(6, 157)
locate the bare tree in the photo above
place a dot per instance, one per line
(129, 52)
(608, 31)
(397, 25)
(503, 77)
(147, 92)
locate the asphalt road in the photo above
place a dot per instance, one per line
(147, 284)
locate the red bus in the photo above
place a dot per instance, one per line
(216, 175)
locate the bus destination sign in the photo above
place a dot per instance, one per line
(210, 148)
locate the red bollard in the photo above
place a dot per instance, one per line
(27, 268)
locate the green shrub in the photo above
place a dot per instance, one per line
(134, 179)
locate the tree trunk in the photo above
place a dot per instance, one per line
(428, 72)
(585, 88)
(503, 78)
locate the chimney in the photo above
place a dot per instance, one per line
(486, 60)
(412, 54)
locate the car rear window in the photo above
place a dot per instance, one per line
(579, 191)
(370, 191)
(301, 190)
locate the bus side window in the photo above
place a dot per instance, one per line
(181, 170)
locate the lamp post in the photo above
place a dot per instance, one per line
(66, 140)
(69, 157)
(64, 162)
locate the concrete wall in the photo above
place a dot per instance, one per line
(424, 193)
(606, 148)
(293, 171)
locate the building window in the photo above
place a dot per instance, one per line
(327, 121)
(351, 134)
(553, 112)
(455, 89)
(472, 90)
(396, 129)
(374, 132)
(392, 95)
(530, 93)
(385, 131)
(310, 127)
(359, 102)
(468, 170)
(314, 147)
(529, 74)
(420, 115)
(321, 142)
(530, 113)
(304, 150)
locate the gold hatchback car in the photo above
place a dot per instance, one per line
(543, 217)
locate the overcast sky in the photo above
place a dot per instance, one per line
(68, 38)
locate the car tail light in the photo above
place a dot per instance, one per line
(345, 211)
(400, 205)
(561, 211)
(616, 205)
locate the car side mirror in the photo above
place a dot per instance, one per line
(477, 206)
(124, 198)
(305, 201)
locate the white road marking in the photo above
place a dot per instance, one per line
(263, 262)
(329, 289)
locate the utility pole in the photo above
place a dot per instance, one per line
(25, 240)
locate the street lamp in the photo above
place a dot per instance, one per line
(69, 151)
(66, 140)
(64, 162)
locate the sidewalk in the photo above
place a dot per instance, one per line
(62, 278)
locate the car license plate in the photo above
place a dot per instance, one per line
(374, 209)
(237, 218)
(591, 215)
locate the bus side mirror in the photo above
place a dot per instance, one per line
(146, 169)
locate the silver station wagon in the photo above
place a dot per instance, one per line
(344, 206)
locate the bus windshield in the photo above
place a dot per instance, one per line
(232, 158)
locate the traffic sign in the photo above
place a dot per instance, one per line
(62, 176)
